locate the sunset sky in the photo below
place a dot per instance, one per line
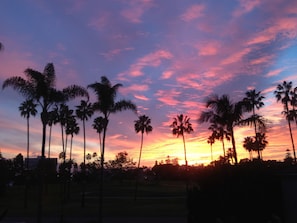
(168, 54)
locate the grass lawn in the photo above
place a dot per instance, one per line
(167, 198)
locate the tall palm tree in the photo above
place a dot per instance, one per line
(64, 116)
(282, 93)
(226, 113)
(106, 104)
(181, 125)
(293, 112)
(261, 142)
(28, 108)
(211, 141)
(71, 129)
(220, 133)
(98, 125)
(248, 144)
(251, 102)
(53, 118)
(143, 125)
(84, 111)
(40, 87)
(1, 46)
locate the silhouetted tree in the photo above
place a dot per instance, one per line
(28, 108)
(220, 133)
(52, 119)
(40, 87)
(84, 111)
(251, 102)
(225, 113)
(181, 125)
(282, 94)
(71, 129)
(99, 124)
(143, 125)
(211, 141)
(248, 144)
(106, 104)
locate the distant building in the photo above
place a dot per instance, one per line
(51, 163)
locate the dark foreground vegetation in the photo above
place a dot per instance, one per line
(254, 191)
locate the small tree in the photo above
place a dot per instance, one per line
(181, 125)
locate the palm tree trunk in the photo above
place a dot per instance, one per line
(28, 143)
(63, 148)
(44, 122)
(70, 153)
(292, 140)
(234, 146)
(102, 172)
(49, 142)
(136, 183)
(41, 168)
(66, 146)
(255, 128)
(185, 151)
(84, 168)
(84, 130)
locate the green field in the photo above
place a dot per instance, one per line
(161, 199)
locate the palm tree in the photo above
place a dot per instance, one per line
(28, 108)
(71, 129)
(40, 87)
(64, 116)
(220, 133)
(248, 144)
(282, 93)
(106, 104)
(293, 112)
(261, 142)
(181, 125)
(211, 141)
(251, 102)
(98, 125)
(84, 111)
(52, 119)
(143, 125)
(224, 112)
(1, 46)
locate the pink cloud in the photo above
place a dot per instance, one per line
(134, 88)
(168, 97)
(246, 6)
(152, 60)
(193, 12)
(286, 27)
(112, 53)
(261, 60)
(190, 81)
(208, 48)
(167, 74)
(236, 57)
(141, 97)
(136, 9)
